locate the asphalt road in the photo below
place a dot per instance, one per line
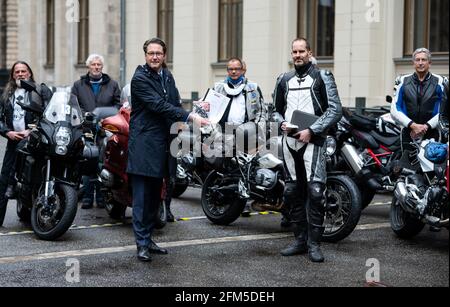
(244, 254)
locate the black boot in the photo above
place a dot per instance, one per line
(299, 245)
(314, 237)
(170, 217)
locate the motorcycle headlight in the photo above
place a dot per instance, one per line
(63, 136)
(331, 146)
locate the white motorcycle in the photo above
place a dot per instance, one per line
(421, 192)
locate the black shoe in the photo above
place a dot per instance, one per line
(170, 217)
(295, 248)
(86, 206)
(285, 222)
(247, 211)
(11, 192)
(315, 254)
(155, 249)
(143, 254)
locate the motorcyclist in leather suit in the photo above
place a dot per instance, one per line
(312, 91)
(418, 97)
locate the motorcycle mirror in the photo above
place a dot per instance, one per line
(32, 107)
(389, 99)
(28, 85)
(89, 116)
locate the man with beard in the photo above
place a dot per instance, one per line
(14, 123)
(312, 91)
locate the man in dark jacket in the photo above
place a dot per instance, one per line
(14, 123)
(155, 105)
(95, 89)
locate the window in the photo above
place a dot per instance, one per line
(316, 23)
(165, 26)
(83, 32)
(50, 33)
(230, 29)
(2, 34)
(426, 25)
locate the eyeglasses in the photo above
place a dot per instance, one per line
(234, 69)
(157, 54)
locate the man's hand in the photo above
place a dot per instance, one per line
(16, 136)
(197, 119)
(418, 131)
(304, 136)
(205, 105)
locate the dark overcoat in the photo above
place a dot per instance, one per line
(156, 106)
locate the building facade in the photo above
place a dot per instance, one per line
(366, 43)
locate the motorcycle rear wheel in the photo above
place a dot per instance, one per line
(65, 208)
(161, 216)
(219, 213)
(179, 189)
(341, 218)
(403, 223)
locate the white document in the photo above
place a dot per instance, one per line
(218, 104)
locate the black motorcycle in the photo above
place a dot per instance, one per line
(365, 148)
(259, 177)
(49, 165)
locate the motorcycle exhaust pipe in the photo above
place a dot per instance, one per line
(401, 193)
(352, 157)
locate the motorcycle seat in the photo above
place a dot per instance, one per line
(365, 140)
(384, 140)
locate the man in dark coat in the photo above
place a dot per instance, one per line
(155, 105)
(95, 89)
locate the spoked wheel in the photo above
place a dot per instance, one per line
(221, 207)
(51, 218)
(343, 208)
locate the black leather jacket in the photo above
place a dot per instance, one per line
(418, 102)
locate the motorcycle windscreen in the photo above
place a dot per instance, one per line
(64, 107)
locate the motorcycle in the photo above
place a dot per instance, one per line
(365, 149)
(50, 164)
(259, 177)
(113, 176)
(421, 192)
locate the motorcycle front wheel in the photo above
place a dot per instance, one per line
(52, 221)
(403, 223)
(343, 208)
(224, 210)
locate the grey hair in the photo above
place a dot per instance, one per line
(422, 50)
(94, 57)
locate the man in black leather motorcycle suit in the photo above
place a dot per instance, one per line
(418, 98)
(313, 91)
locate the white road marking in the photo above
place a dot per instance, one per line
(208, 241)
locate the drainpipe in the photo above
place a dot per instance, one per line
(123, 61)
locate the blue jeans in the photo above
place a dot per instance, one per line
(90, 183)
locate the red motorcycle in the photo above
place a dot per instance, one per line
(113, 175)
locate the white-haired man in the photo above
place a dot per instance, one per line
(95, 89)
